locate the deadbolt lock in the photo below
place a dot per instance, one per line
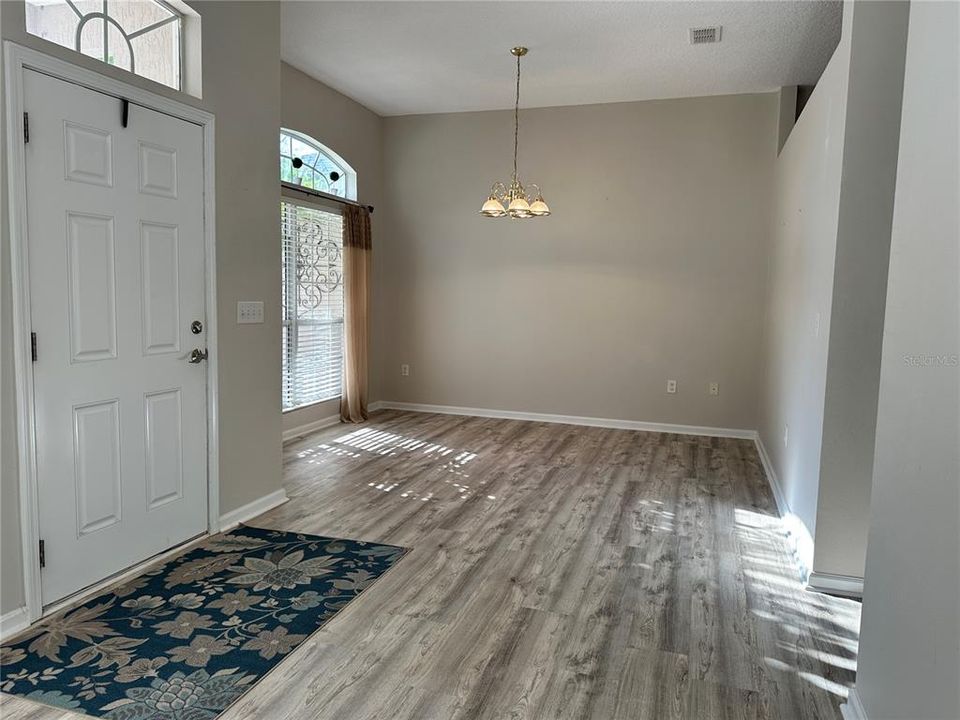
(196, 327)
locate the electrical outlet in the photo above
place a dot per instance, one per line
(671, 386)
(714, 388)
(786, 435)
(249, 312)
(405, 370)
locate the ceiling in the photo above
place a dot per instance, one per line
(400, 58)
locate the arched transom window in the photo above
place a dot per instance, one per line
(142, 36)
(308, 163)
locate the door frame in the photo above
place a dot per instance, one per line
(18, 59)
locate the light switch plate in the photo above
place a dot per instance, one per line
(249, 312)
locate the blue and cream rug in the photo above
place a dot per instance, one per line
(185, 640)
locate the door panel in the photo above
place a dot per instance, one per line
(160, 287)
(89, 155)
(115, 245)
(91, 279)
(96, 453)
(164, 451)
(158, 170)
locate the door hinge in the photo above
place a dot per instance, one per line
(43, 555)
(26, 127)
(33, 346)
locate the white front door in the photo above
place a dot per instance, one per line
(116, 255)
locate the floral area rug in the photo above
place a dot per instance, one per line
(185, 640)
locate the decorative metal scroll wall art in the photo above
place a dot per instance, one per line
(319, 269)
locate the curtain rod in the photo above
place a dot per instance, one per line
(325, 196)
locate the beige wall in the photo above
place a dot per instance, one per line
(802, 246)
(241, 80)
(356, 135)
(829, 250)
(910, 634)
(652, 266)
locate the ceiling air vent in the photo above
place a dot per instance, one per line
(705, 35)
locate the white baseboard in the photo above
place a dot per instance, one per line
(798, 536)
(306, 429)
(772, 478)
(853, 709)
(230, 520)
(569, 420)
(845, 585)
(13, 622)
(801, 544)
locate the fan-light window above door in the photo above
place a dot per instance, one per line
(142, 36)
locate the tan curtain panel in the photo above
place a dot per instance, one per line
(357, 249)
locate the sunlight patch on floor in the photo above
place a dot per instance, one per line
(366, 441)
(799, 616)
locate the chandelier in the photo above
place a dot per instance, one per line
(513, 201)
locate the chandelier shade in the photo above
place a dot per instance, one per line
(512, 200)
(493, 208)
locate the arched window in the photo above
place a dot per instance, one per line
(306, 162)
(311, 233)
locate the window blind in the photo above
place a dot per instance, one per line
(312, 304)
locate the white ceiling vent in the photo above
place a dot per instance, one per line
(705, 35)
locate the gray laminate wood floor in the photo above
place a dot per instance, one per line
(556, 572)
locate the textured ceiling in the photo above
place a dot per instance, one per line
(401, 58)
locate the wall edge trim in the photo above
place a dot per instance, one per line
(299, 431)
(772, 480)
(853, 708)
(13, 622)
(232, 519)
(832, 584)
(799, 540)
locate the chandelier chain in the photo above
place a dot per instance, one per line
(516, 121)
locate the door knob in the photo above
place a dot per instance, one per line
(196, 355)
